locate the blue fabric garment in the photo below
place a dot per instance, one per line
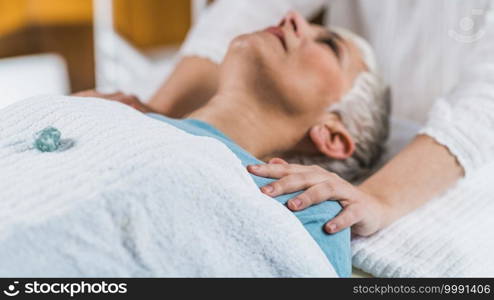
(335, 246)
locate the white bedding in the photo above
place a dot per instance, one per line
(451, 236)
(135, 197)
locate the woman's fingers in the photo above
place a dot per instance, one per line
(96, 94)
(349, 216)
(274, 170)
(361, 211)
(87, 93)
(123, 98)
(293, 183)
(315, 194)
(130, 100)
(332, 188)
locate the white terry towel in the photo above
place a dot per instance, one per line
(451, 236)
(135, 197)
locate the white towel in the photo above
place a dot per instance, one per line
(451, 236)
(135, 197)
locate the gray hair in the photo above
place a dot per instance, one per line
(365, 112)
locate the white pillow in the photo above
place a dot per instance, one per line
(26, 76)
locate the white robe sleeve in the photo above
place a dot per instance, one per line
(225, 19)
(463, 120)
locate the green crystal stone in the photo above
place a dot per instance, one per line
(47, 140)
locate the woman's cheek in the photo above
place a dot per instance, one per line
(326, 77)
(321, 61)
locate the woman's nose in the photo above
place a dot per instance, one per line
(299, 25)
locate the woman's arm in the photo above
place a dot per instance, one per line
(422, 170)
(193, 82)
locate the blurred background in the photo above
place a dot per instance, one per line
(63, 46)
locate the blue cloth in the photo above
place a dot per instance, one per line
(336, 247)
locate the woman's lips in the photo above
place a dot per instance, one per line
(276, 31)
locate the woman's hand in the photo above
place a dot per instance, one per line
(363, 212)
(129, 100)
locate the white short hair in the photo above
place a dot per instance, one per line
(365, 112)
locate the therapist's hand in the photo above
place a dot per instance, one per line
(126, 99)
(361, 211)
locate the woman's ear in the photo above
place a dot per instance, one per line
(332, 139)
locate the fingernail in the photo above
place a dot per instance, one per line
(254, 167)
(268, 189)
(332, 227)
(296, 203)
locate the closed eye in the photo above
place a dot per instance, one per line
(332, 44)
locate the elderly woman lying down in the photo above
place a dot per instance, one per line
(303, 93)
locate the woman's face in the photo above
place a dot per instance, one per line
(305, 66)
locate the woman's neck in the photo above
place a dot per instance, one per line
(263, 131)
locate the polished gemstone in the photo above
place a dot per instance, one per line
(48, 139)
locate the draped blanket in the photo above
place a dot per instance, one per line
(126, 195)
